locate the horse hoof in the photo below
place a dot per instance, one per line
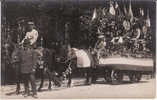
(39, 89)
(88, 83)
(17, 92)
(58, 85)
(68, 85)
(49, 89)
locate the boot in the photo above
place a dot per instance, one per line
(35, 96)
(26, 93)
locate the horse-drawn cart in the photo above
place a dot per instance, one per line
(116, 67)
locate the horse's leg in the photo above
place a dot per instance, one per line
(93, 75)
(56, 80)
(18, 88)
(18, 84)
(69, 79)
(88, 76)
(17, 78)
(42, 80)
(50, 78)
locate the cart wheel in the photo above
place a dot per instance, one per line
(107, 76)
(132, 77)
(135, 77)
(138, 77)
(118, 76)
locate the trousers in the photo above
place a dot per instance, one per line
(17, 74)
(29, 77)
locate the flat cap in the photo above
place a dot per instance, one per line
(101, 36)
(30, 23)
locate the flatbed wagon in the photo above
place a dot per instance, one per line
(115, 68)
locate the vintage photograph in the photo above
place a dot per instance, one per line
(78, 49)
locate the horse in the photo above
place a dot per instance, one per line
(15, 61)
(78, 59)
(7, 48)
(46, 65)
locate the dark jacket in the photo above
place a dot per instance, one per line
(28, 60)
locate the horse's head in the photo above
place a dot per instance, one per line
(58, 59)
(15, 57)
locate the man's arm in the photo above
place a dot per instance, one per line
(26, 36)
(34, 37)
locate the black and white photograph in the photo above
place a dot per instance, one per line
(78, 49)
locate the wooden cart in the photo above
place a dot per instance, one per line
(116, 67)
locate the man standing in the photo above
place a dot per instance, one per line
(31, 35)
(28, 65)
(100, 46)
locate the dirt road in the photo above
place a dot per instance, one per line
(145, 88)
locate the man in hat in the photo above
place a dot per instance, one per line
(100, 45)
(31, 35)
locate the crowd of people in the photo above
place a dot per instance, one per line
(121, 32)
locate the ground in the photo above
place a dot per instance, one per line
(145, 89)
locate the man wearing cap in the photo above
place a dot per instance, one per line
(31, 35)
(28, 59)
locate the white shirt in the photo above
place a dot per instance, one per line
(126, 25)
(32, 36)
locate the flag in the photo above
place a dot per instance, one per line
(104, 11)
(94, 14)
(125, 11)
(99, 30)
(148, 19)
(112, 10)
(138, 33)
(142, 12)
(130, 13)
(116, 5)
